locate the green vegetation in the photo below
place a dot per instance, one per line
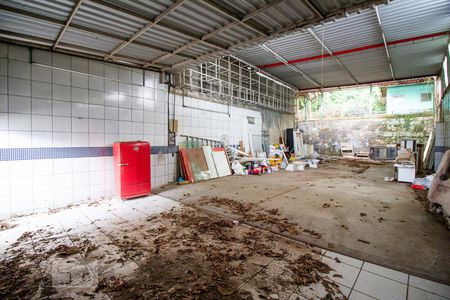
(346, 102)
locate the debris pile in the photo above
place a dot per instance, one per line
(251, 213)
(183, 253)
(6, 226)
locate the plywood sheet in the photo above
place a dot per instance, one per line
(198, 164)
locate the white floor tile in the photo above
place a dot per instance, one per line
(317, 291)
(127, 213)
(348, 273)
(345, 259)
(296, 296)
(313, 291)
(380, 287)
(72, 218)
(430, 286)
(155, 205)
(355, 295)
(418, 294)
(344, 289)
(386, 272)
(9, 236)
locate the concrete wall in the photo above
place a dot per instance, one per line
(60, 114)
(327, 135)
(273, 121)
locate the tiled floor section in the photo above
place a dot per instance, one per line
(360, 280)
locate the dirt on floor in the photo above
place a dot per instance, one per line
(345, 205)
(185, 253)
(4, 225)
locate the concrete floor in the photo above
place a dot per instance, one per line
(367, 218)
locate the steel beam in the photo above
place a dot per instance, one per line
(324, 46)
(47, 43)
(314, 21)
(69, 20)
(144, 18)
(388, 54)
(234, 17)
(358, 49)
(221, 29)
(82, 28)
(294, 68)
(149, 25)
(314, 8)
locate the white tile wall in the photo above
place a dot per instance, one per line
(211, 125)
(87, 103)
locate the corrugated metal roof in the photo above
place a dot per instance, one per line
(287, 12)
(406, 18)
(294, 78)
(140, 52)
(184, 35)
(24, 25)
(359, 32)
(93, 15)
(164, 38)
(195, 18)
(58, 9)
(197, 50)
(186, 24)
(355, 31)
(255, 56)
(418, 58)
(75, 37)
(150, 9)
(292, 46)
(368, 66)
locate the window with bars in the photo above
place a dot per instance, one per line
(425, 97)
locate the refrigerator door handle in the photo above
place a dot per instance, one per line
(122, 165)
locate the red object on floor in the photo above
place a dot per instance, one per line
(132, 169)
(186, 165)
(417, 186)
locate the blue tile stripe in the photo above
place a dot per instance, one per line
(11, 154)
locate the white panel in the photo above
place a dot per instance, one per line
(221, 163)
(210, 161)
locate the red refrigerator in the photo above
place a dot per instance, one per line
(132, 169)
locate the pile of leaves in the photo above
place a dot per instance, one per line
(184, 253)
(251, 213)
(6, 226)
(201, 256)
(21, 270)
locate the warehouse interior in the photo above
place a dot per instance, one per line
(224, 149)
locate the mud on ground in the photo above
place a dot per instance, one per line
(184, 253)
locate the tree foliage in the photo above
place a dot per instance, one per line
(347, 102)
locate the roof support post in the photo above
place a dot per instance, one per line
(332, 55)
(388, 54)
(69, 20)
